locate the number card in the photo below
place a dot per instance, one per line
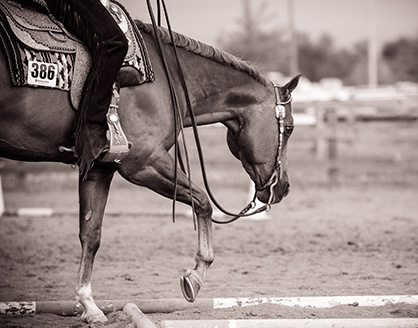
(42, 74)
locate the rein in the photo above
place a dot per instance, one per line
(177, 114)
(280, 113)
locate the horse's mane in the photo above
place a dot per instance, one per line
(205, 51)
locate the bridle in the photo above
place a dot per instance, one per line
(277, 174)
(280, 112)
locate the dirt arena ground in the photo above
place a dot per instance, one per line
(356, 236)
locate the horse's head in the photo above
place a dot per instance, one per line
(260, 142)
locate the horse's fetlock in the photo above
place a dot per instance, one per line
(206, 259)
(209, 262)
(83, 293)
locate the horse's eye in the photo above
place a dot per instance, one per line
(289, 129)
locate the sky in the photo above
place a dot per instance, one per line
(345, 20)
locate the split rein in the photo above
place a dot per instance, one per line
(280, 113)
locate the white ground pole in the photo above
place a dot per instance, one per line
(139, 319)
(294, 323)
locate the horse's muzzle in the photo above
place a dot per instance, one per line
(286, 189)
(279, 192)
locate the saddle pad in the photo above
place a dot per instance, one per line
(36, 44)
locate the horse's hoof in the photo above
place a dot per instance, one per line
(94, 318)
(190, 284)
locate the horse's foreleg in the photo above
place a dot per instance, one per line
(158, 176)
(193, 280)
(93, 194)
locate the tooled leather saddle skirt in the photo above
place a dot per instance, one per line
(42, 53)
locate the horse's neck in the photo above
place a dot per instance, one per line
(221, 93)
(210, 82)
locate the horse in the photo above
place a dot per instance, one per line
(35, 122)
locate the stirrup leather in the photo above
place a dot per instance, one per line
(118, 143)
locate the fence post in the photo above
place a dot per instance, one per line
(320, 145)
(332, 146)
(2, 207)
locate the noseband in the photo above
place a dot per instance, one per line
(280, 112)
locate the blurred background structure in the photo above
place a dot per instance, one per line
(356, 108)
(332, 38)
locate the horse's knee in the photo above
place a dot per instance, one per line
(203, 207)
(90, 241)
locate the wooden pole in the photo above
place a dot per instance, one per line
(320, 133)
(294, 323)
(72, 308)
(293, 42)
(372, 44)
(332, 146)
(2, 207)
(139, 319)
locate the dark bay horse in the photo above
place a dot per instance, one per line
(36, 121)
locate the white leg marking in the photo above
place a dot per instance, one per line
(91, 311)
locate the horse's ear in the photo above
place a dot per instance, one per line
(291, 85)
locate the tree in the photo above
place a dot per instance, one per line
(263, 43)
(402, 58)
(323, 59)
(266, 48)
(358, 73)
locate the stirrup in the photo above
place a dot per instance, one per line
(118, 143)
